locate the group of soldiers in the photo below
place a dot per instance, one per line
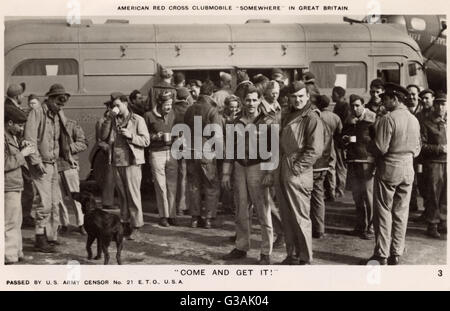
(392, 147)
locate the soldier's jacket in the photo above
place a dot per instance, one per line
(396, 143)
(75, 144)
(43, 130)
(434, 134)
(362, 128)
(302, 139)
(14, 160)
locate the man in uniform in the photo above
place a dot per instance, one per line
(434, 150)
(43, 130)
(161, 86)
(225, 90)
(361, 167)
(375, 103)
(396, 144)
(202, 174)
(14, 98)
(13, 182)
(301, 143)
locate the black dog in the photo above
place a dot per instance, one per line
(99, 225)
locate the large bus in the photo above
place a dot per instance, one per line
(93, 60)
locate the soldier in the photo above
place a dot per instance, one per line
(202, 174)
(301, 145)
(43, 130)
(342, 109)
(375, 103)
(361, 167)
(434, 150)
(225, 90)
(427, 97)
(127, 136)
(332, 129)
(413, 103)
(163, 165)
(250, 181)
(68, 174)
(13, 182)
(14, 98)
(396, 144)
(137, 103)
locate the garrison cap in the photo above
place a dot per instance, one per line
(115, 95)
(15, 114)
(15, 89)
(296, 86)
(396, 90)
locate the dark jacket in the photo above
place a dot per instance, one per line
(157, 123)
(433, 133)
(205, 108)
(14, 160)
(363, 129)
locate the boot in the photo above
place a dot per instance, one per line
(432, 231)
(41, 244)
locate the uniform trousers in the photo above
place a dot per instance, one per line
(47, 206)
(13, 223)
(69, 182)
(248, 189)
(294, 193)
(165, 174)
(128, 183)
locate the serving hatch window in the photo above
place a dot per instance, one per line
(125, 75)
(389, 72)
(349, 75)
(40, 74)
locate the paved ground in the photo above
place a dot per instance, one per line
(184, 245)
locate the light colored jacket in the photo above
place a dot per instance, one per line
(14, 160)
(139, 140)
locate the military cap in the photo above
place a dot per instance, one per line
(426, 91)
(296, 86)
(31, 97)
(15, 114)
(396, 90)
(15, 89)
(115, 95)
(355, 97)
(440, 97)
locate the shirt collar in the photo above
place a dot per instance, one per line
(275, 107)
(14, 102)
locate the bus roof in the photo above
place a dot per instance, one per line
(22, 32)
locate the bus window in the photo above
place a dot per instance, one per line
(416, 74)
(40, 74)
(204, 74)
(125, 75)
(389, 72)
(349, 75)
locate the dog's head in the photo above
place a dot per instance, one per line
(86, 199)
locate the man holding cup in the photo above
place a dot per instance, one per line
(361, 166)
(127, 136)
(164, 167)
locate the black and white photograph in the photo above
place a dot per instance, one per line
(257, 139)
